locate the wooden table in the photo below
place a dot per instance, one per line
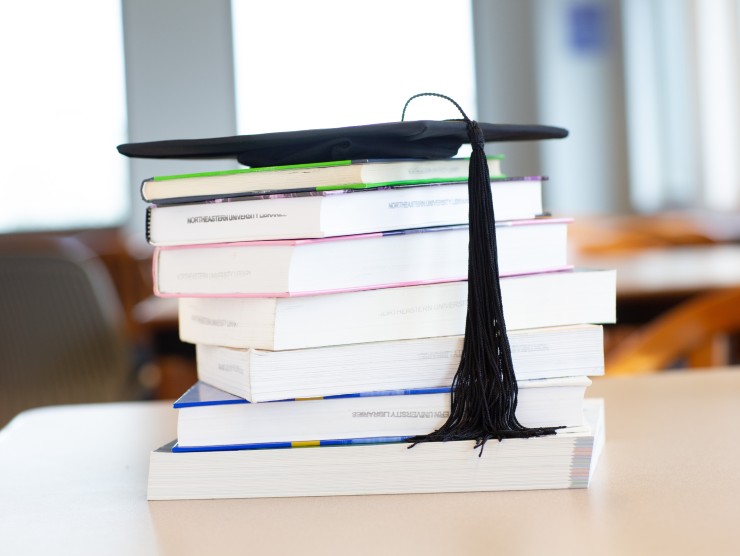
(73, 481)
(654, 280)
(671, 271)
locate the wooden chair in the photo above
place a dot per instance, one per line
(62, 334)
(695, 334)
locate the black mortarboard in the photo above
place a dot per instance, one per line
(484, 393)
(417, 139)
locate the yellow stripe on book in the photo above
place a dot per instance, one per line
(305, 443)
(305, 399)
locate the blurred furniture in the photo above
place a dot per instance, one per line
(662, 260)
(172, 369)
(652, 281)
(62, 330)
(667, 483)
(629, 233)
(670, 272)
(129, 265)
(670, 255)
(696, 333)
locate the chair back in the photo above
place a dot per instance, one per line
(61, 333)
(695, 334)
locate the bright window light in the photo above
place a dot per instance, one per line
(328, 63)
(62, 108)
(718, 78)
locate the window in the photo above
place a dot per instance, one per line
(681, 69)
(305, 65)
(62, 108)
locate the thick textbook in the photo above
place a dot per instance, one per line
(260, 375)
(335, 212)
(308, 177)
(278, 323)
(564, 460)
(308, 266)
(209, 418)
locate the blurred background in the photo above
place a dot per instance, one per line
(648, 89)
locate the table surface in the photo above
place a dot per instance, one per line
(73, 481)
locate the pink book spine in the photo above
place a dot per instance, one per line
(347, 290)
(272, 242)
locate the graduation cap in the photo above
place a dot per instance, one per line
(484, 390)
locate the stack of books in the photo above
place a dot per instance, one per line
(327, 304)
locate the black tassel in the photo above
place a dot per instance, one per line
(484, 390)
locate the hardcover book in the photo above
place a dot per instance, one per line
(341, 174)
(565, 460)
(335, 212)
(308, 266)
(209, 418)
(260, 375)
(278, 323)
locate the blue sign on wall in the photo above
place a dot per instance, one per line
(588, 28)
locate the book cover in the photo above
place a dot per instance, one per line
(208, 417)
(279, 323)
(284, 268)
(345, 174)
(565, 460)
(202, 394)
(334, 213)
(261, 375)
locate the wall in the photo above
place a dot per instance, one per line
(179, 83)
(558, 62)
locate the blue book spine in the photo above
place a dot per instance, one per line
(283, 445)
(202, 394)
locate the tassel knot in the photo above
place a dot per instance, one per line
(475, 135)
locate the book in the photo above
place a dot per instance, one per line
(309, 177)
(209, 418)
(276, 323)
(260, 375)
(564, 460)
(336, 212)
(308, 266)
